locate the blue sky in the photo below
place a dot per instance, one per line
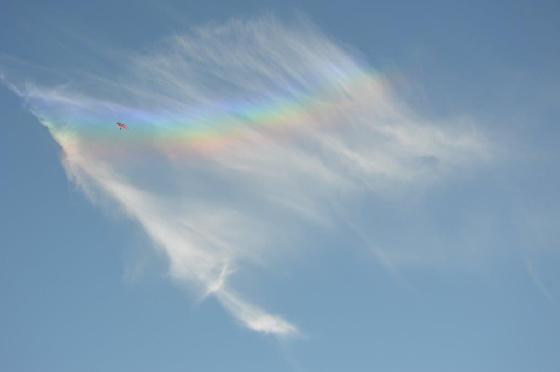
(423, 239)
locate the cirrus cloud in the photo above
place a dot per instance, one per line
(241, 135)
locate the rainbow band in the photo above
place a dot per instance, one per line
(91, 118)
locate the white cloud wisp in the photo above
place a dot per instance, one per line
(240, 134)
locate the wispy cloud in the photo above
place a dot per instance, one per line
(241, 135)
(538, 282)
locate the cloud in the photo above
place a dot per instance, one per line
(242, 135)
(538, 282)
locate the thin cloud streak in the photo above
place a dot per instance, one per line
(538, 282)
(242, 135)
